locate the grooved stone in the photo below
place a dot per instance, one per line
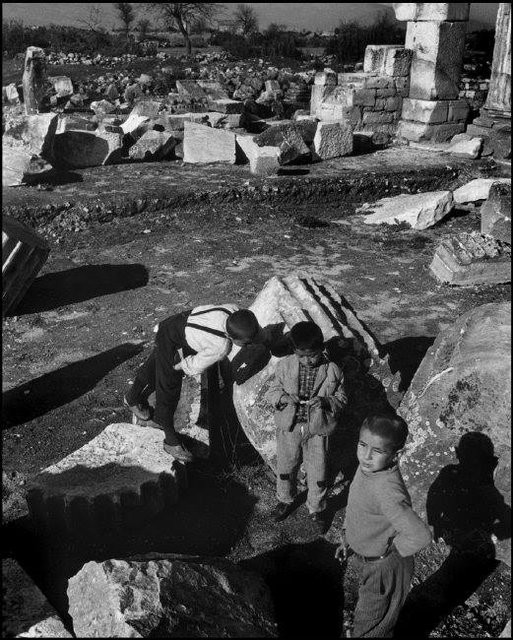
(120, 477)
(420, 211)
(26, 613)
(472, 259)
(496, 212)
(202, 144)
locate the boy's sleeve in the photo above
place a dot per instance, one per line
(276, 390)
(339, 398)
(192, 365)
(412, 532)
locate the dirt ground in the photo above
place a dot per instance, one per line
(213, 235)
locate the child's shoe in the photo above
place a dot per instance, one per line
(141, 411)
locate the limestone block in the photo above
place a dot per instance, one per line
(146, 108)
(79, 149)
(121, 477)
(132, 93)
(365, 97)
(394, 104)
(402, 86)
(11, 94)
(325, 78)
(506, 632)
(202, 144)
(226, 105)
(153, 146)
(111, 93)
(496, 212)
(26, 613)
(368, 381)
(214, 90)
(35, 133)
(318, 96)
(457, 461)
(478, 189)
(458, 111)
(417, 131)
(16, 163)
(190, 89)
(62, 85)
(133, 124)
(307, 126)
(288, 137)
(465, 146)
(428, 111)
(75, 122)
(262, 160)
(332, 140)
(432, 11)
(34, 80)
(23, 254)
(169, 595)
(420, 211)
(272, 85)
(387, 60)
(377, 118)
(472, 259)
(437, 59)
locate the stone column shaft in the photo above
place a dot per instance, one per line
(499, 94)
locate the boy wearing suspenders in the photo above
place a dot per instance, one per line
(205, 334)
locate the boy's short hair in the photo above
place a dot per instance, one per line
(391, 427)
(242, 325)
(306, 335)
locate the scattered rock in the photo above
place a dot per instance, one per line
(496, 212)
(287, 136)
(62, 85)
(203, 144)
(475, 190)
(153, 145)
(263, 161)
(79, 149)
(332, 140)
(465, 146)
(420, 211)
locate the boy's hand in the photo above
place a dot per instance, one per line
(317, 402)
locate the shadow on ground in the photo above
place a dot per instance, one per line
(57, 388)
(405, 356)
(62, 288)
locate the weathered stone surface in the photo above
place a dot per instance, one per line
(472, 259)
(191, 89)
(288, 137)
(62, 85)
(214, 90)
(427, 111)
(26, 613)
(437, 59)
(420, 211)
(506, 632)
(417, 131)
(387, 60)
(169, 596)
(458, 110)
(332, 140)
(79, 149)
(465, 146)
(263, 161)
(15, 164)
(35, 133)
(102, 107)
(203, 144)
(34, 79)
(498, 100)
(121, 477)
(325, 78)
(369, 383)
(134, 123)
(496, 212)
(132, 93)
(147, 108)
(458, 409)
(153, 146)
(11, 94)
(478, 189)
(23, 254)
(226, 105)
(431, 11)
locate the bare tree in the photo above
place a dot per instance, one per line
(95, 19)
(126, 15)
(246, 19)
(183, 16)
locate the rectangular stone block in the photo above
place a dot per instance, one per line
(420, 211)
(432, 11)
(190, 89)
(427, 111)
(332, 140)
(387, 60)
(417, 131)
(325, 78)
(386, 93)
(365, 97)
(379, 82)
(263, 161)
(374, 117)
(496, 213)
(202, 145)
(226, 105)
(394, 104)
(458, 111)
(319, 94)
(437, 59)
(402, 86)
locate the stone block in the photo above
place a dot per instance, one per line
(153, 146)
(24, 252)
(325, 78)
(420, 211)
(365, 97)
(465, 146)
(62, 85)
(319, 94)
(288, 137)
(417, 131)
(16, 162)
(202, 145)
(26, 613)
(307, 126)
(135, 125)
(101, 107)
(80, 149)
(387, 60)
(332, 140)
(272, 85)
(120, 478)
(437, 59)
(472, 259)
(458, 111)
(11, 94)
(190, 89)
(390, 92)
(226, 105)
(427, 111)
(432, 11)
(214, 90)
(263, 161)
(402, 86)
(496, 212)
(394, 104)
(476, 190)
(379, 82)
(146, 108)
(379, 117)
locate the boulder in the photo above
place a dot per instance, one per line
(420, 211)
(263, 161)
(476, 190)
(457, 462)
(79, 149)
(26, 613)
(153, 145)
(34, 80)
(132, 93)
(35, 133)
(289, 140)
(332, 140)
(111, 93)
(496, 212)
(202, 144)
(226, 105)
(465, 146)
(168, 596)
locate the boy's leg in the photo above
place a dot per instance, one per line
(315, 458)
(143, 385)
(288, 450)
(384, 586)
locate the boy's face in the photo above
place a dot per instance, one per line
(309, 357)
(374, 452)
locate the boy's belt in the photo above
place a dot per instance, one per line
(373, 558)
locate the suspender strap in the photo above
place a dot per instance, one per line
(207, 330)
(198, 313)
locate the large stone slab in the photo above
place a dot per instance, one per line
(465, 146)
(153, 146)
(427, 111)
(332, 140)
(496, 212)
(431, 11)
(457, 461)
(472, 259)
(202, 144)
(420, 211)
(26, 613)
(419, 131)
(80, 149)
(16, 163)
(62, 85)
(121, 477)
(169, 596)
(263, 161)
(478, 189)
(35, 133)
(369, 383)
(387, 60)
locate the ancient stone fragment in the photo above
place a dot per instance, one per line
(153, 145)
(226, 105)
(26, 613)
(498, 100)
(457, 461)
(387, 60)
(465, 146)
(332, 140)
(16, 162)
(428, 111)
(478, 189)
(202, 144)
(496, 212)
(121, 477)
(62, 85)
(420, 211)
(369, 383)
(288, 137)
(417, 131)
(34, 79)
(472, 259)
(263, 161)
(146, 108)
(169, 596)
(23, 254)
(431, 11)
(79, 149)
